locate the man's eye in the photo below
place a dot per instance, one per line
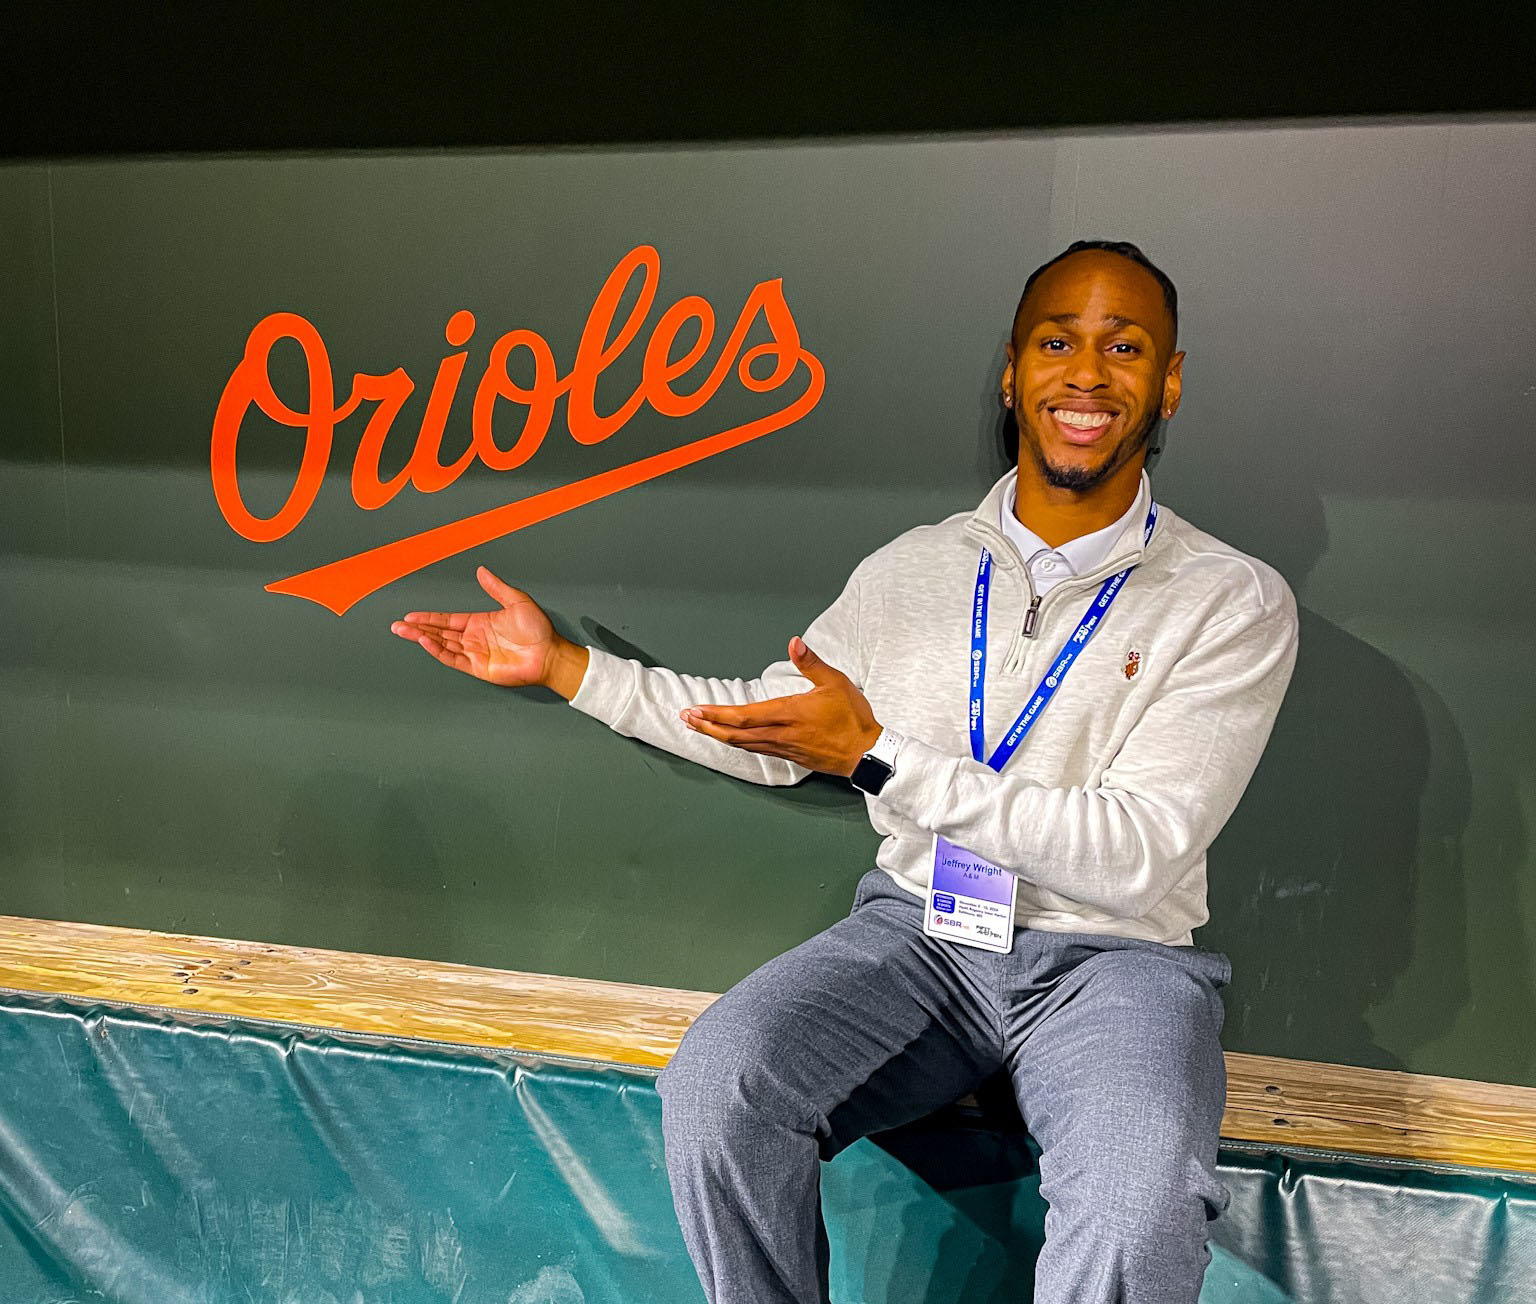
(1055, 339)
(1130, 348)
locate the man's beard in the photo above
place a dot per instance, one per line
(1080, 479)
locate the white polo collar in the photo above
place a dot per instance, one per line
(1077, 556)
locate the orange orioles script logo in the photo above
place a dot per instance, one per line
(339, 584)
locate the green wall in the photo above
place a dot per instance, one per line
(180, 749)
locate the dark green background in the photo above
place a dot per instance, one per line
(181, 750)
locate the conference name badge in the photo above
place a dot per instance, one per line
(970, 900)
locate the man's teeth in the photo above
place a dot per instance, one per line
(1083, 420)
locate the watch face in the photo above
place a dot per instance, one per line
(870, 775)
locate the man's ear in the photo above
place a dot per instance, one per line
(1007, 382)
(1173, 385)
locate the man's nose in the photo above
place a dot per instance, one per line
(1086, 371)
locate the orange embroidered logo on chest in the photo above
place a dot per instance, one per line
(1132, 664)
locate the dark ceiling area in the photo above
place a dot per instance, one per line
(172, 78)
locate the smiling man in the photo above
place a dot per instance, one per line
(1052, 704)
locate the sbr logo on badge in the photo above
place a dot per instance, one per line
(971, 899)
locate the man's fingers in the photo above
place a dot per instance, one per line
(442, 619)
(503, 593)
(765, 739)
(812, 666)
(448, 656)
(414, 631)
(779, 749)
(755, 716)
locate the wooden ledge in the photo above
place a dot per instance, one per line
(376, 995)
(1274, 1102)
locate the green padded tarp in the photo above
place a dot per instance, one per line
(154, 1158)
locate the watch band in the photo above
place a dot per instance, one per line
(886, 747)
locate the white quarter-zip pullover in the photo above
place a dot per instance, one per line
(1106, 810)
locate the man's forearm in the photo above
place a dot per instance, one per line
(644, 701)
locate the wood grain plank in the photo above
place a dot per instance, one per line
(1380, 1113)
(1270, 1101)
(379, 995)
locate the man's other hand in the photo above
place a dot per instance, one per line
(828, 727)
(515, 645)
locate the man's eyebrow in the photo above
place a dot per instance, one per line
(1071, 319)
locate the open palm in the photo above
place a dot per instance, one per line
(509, 646)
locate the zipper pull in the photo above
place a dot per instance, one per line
(1029, 616)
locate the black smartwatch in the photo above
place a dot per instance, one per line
(876, 766)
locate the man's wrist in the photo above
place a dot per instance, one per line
(868, 735)
(567, 667)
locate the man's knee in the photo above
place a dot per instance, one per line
(699, 1079)
(1159, 1039)
(723, 1086)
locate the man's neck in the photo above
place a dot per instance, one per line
(1056, 516)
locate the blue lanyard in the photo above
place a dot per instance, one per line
(1090, 622)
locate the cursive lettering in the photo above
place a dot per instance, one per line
(340, 584)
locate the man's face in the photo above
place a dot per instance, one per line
(1090, 368)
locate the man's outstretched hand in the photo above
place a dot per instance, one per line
(515, 645)
(827, 727)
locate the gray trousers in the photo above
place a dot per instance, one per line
(1112, 1045)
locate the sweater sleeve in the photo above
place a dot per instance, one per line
(1122, 846)
(644, 701)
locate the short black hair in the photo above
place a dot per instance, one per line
(1125, 249)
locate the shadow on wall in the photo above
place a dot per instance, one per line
(1315, 880)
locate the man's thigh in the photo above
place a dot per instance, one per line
(1120, 1077)
(865, 1026)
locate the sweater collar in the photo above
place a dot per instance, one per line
(1126, 546)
